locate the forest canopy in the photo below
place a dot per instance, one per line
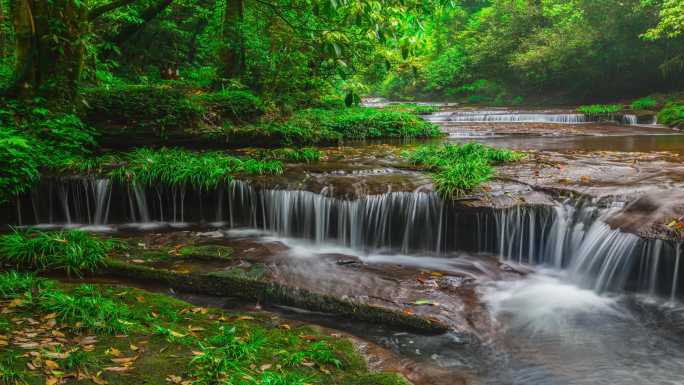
(299, 52)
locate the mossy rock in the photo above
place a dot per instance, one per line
(245, 287)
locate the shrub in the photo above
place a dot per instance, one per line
(645, 103)
(233, 105)
(182, 167)
(19, 164)
(72, 251)
(599, 109)
(460, 168)
(368, 123)
(672, 115)
(418, 109)
(156, 108)
(64, 136)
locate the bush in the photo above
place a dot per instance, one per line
(369, 123)
(64, 136)
(72, 251)
(672, 115)
(233, 105)
(156, 108)
(599, 109)
(460, 168)
(19, 164)
(645, 103)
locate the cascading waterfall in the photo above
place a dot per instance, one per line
(570, 237)
(499, 116)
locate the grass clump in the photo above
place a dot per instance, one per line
(177, 167)
(85, 308)
(13, 284)
(73, 251)
(600, 109)
(459, 168)
(9, 375)
(645, 103)
(672, 115)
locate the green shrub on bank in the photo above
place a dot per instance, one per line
(417, 109)
(19, 164)
(33, 138)
(156, 108)
(458, 168)
(598, 109)
(177, 167)
(234, 105)
(645, 103)
(74, 251)
(369, 123)
(672, 115)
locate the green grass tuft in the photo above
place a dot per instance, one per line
(73, 251)
(457, 168)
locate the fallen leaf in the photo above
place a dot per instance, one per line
(51, 365)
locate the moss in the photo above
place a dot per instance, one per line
(170, 337)
(210, 252)
(254, 272)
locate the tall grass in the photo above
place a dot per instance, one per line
(176, 167)
(73, 251)
(645, 103)
(457, 168)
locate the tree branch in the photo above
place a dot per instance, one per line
(101, 10)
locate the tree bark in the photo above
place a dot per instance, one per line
(49, 47)
(232, 53)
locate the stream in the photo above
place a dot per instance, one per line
(547, 291)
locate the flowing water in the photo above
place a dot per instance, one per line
(601, 305)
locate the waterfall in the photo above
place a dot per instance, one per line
(502, 116)
(571, 237)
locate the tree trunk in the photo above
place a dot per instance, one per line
(232, 54)
(49, 47)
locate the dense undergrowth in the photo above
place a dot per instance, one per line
(460, 168)
(127, 336)
(672, 115)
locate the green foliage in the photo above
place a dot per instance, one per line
(73, 251)
(149, 107)
(672, 115)
(417, 109)
(19, 164)
(645, 103)
(369, 123)
(234, 105)
(87, 309)
(177, 167)
(599, 109)
(458, 169)
(9, 375)
(14, 284)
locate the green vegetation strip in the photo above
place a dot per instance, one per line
(52, 332)
(672, 115)
(600, 109)
(460, 168)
